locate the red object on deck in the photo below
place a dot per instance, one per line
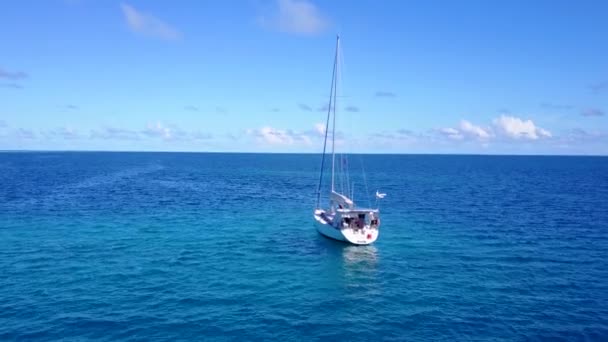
(369, 236)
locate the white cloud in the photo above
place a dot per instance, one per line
(275, 136)
(320, 128)
(296, 16)
(471, 130)
(466, 130)
(67, 132)
(505, 126)
(146, 24)
(516, 128)
(451, 133)
(159, 130)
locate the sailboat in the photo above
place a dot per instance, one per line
(342, 220)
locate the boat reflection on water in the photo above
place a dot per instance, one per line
(349, 255)
(359, 274)
(349, 267)
(354, 255)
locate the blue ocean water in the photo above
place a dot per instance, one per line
(140, 246)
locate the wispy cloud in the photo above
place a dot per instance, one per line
(592, 112)
(65, 133)
(320, 128)
(383, 93)
(221, 110)
(275, 110)
(11, 85)
(158, 130)
(400, 138)
(113, 133)
(295, 16)
(466, 130)
(288, 137)
(352, 109)
(236, 136)
(199, 135)
(12, 75)
(275, 136)
(404, 131)
(318, 132)
(323, 108)
(577, 135)
(3, 124)
(168, 132)
(304, 107)
(191, 108)
(598, 87)
(450, 133)
(148, 25)
(73, 2)
(556, 106)
(27, 134)
(70, 107)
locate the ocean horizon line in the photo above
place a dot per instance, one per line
(310, 153)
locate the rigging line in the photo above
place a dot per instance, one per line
(333, 79)
(333, 134)
(369, 202)
(341, 167)
(347, 176)
(340, 184)
(343, 174)
(349, 148)
(344, 184)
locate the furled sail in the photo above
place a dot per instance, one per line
(341, 199)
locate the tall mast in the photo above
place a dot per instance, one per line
(333, 133)
(331, 98)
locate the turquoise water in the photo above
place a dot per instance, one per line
(139, 246)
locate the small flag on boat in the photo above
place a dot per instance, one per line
(380, 195)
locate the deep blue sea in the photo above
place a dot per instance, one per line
(195, 246)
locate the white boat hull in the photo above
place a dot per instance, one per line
(356, 236)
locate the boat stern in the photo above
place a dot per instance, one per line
(363, 236)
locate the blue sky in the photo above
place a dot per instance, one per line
(520, 77)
